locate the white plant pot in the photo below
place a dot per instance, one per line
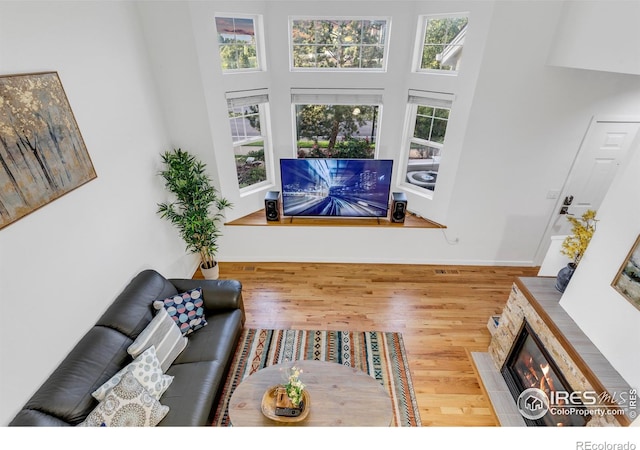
(210, 274)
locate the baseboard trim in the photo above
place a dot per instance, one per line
(439, 262)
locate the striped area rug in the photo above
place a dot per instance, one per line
(380, 354)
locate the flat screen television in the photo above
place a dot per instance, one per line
(336, 187)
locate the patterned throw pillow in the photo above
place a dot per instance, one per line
(164, 336)
(128, 404)
(146, 368)
(186, 310)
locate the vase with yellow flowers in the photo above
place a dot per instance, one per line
(575, 245)
(290, 397)
(294, 387)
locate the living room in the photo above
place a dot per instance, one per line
(140, 81)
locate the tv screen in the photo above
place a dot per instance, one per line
(336, 187)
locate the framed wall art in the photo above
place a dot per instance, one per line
(627, 281)
(42, 154)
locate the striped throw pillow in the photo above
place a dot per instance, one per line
(163, 334)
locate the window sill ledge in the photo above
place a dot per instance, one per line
(258, 218)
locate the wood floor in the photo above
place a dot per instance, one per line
(441, 311)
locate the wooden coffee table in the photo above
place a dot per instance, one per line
(339, 396)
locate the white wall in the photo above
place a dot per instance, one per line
(526, 125)
(580, 41)
(63, 264)
(610, 321)
(171, 49)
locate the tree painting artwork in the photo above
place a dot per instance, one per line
(627, 281)
(42, 154)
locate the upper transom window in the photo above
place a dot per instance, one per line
(338, 44)
(443, 38)
(237, 43)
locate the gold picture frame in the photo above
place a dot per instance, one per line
(42, 153)
(627, 280)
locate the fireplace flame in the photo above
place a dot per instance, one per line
(545, 377)
(545, 369)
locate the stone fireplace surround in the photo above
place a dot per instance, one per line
(584, 367)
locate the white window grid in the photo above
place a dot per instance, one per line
(429, 99)
(384, 44)
(313, 96)
(241, 100)
(258, 38)
(420, 42)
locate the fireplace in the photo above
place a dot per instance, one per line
(578, 375)
(529, 365)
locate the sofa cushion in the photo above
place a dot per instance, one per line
(146, 369)
(162, 334)
(34, 418)
(191, 398)
(206, 359)
(131, 311)
(186, 309)
(215, 342)
(218, 295)
(67, 392)
(128, 404)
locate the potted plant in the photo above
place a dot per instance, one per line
(575, 245)
(197, 208)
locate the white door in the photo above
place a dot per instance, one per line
(603, 149)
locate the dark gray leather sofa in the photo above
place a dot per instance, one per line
(199, 372)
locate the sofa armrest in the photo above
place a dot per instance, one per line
(219, 295)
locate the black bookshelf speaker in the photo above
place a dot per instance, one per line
(272, 206)
(398, 207)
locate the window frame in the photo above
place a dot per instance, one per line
(354, 97)
(385, 46)
(259, 43)
(415, 99)
(264, 115)
(423, 21)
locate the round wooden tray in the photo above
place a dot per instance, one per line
(269, 406)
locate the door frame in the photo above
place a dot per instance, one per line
(545, 241)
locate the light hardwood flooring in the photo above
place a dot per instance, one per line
(441, 311)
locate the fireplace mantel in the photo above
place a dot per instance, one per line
(536, 300)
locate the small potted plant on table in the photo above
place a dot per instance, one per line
(290, 396)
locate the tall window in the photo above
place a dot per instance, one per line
(429, 113)
(442, 44)
(346, 44)
(248, 117)
(237, 43)
(336, 125)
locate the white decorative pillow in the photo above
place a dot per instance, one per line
(162, 334)
(146, 369)
(128, 404)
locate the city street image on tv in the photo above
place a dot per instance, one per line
(335, 187)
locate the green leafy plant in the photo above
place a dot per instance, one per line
(197, 208)
(294, 386)
(348, 149)
(582, 230)
(354, 148)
